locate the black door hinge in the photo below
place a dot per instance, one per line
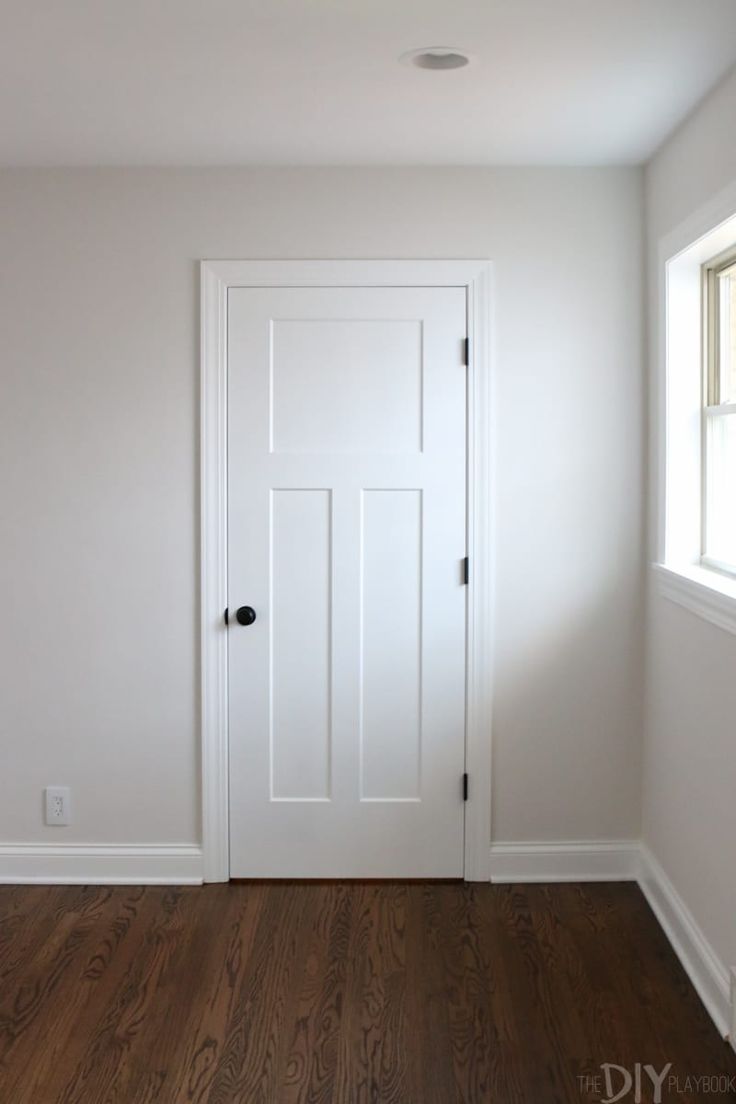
(466, 570)
(466, 351)
(465, 787)
(226, 618)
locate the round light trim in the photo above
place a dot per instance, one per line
(436, 58)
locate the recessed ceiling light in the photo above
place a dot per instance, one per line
(435, 57)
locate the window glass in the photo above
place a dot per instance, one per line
(727, 335)
(720, 542)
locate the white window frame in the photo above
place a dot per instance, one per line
(476, 276)
(682, 572)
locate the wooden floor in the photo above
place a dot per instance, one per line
(344, 992)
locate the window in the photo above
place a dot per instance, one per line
(695, 414)
(719, 414)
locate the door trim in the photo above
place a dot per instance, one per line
(216, 278)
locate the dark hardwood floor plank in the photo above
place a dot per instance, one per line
(467, 966)
(430, 1058)
(112, 1040)
(247, 1068)
(394, 1039)
(31, 916)
(17, 907)
(311, 1062)
(174, 1005)
(557, 1017)
(229, 955)
(512, 1074)
(372, 1057)
(25, 1002)
(88, 978)
(587, 1032)
(599, 967)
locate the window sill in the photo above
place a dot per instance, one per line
(705, 593)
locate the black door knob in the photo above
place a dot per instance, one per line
(245, 615)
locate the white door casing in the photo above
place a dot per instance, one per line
(347, 533)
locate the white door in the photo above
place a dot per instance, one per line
(347, 535)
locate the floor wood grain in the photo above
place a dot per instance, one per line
(344, 993)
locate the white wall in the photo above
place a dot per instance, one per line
(99, 455)
(689, 818)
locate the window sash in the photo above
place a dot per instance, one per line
(715, 272)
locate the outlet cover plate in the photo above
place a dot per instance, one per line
(58, 806)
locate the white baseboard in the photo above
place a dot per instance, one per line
(566, 861)
(702, 965)
(100, 864)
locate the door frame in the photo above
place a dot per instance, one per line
(217, 277)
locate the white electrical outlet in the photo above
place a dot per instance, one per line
(732, 1036)
(58, 805)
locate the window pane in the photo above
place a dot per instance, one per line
(727, 334)
(721, 488)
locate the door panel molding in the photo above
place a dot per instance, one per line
(217, 277)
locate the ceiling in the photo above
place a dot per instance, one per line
(208, 82)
